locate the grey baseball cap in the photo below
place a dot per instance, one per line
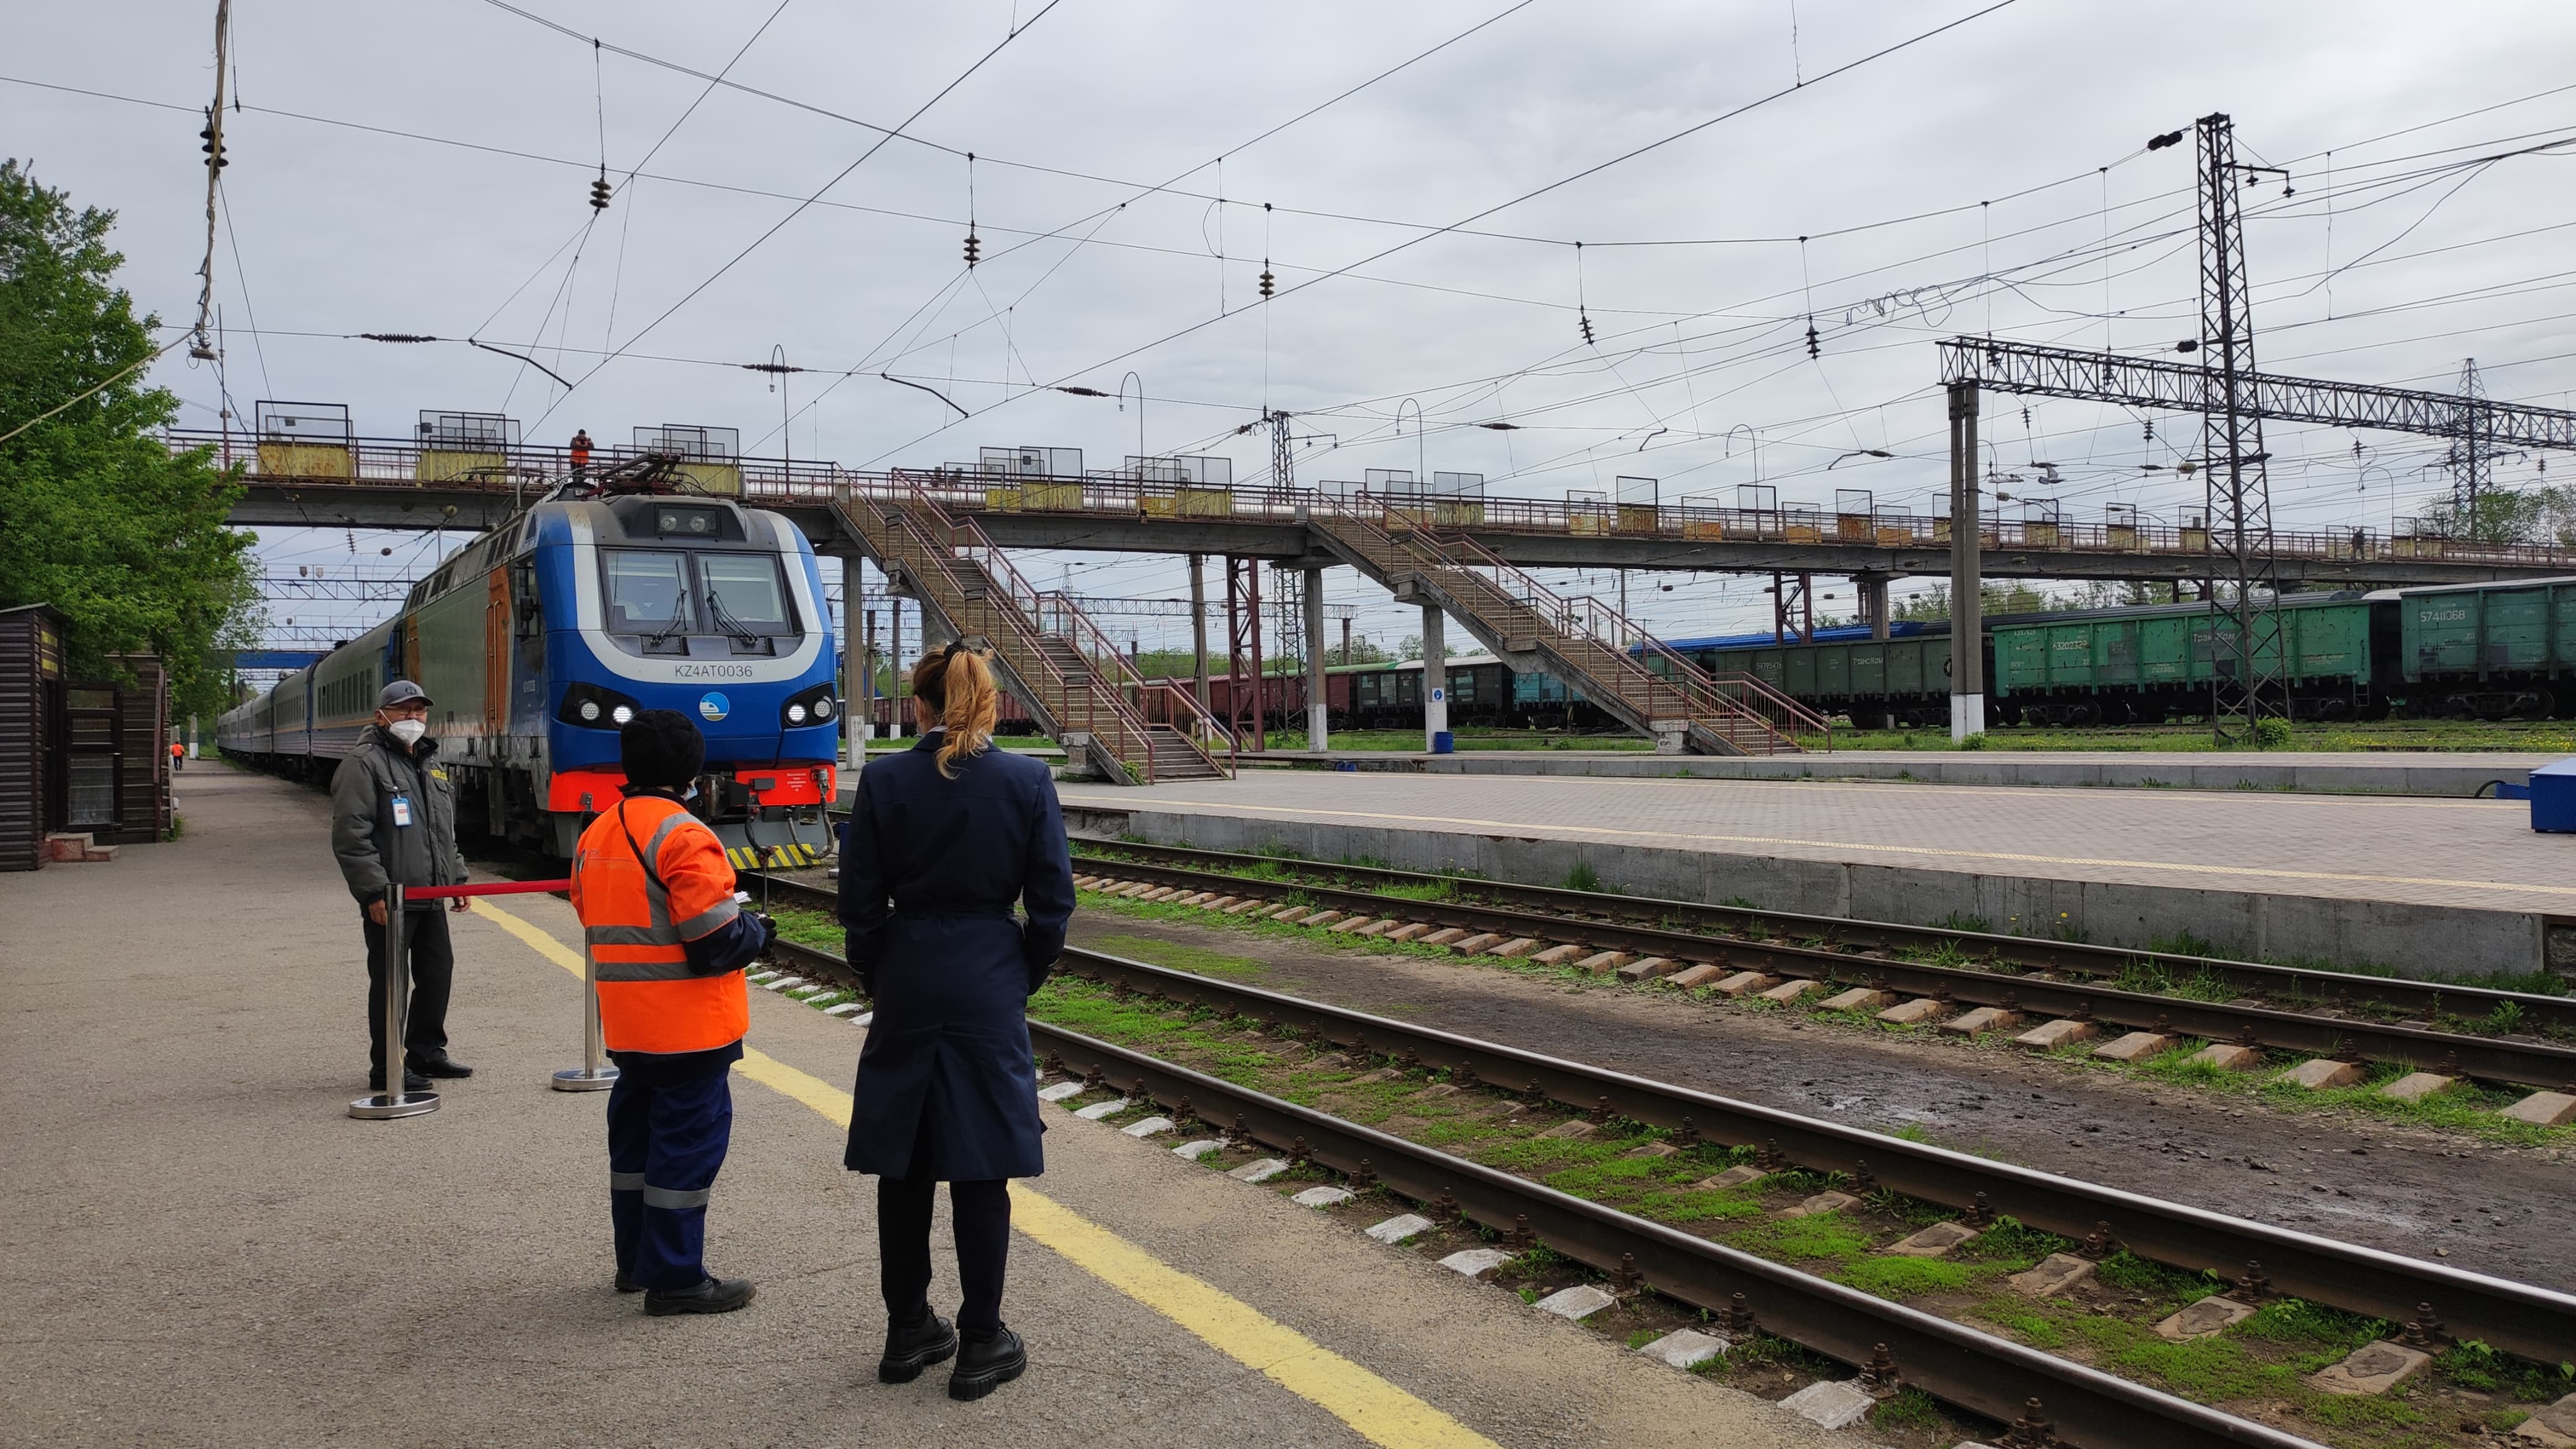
(401, 691)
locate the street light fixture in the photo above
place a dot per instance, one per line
(1858, 453)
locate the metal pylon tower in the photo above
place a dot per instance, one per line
(2472, 456)
(2245, 626)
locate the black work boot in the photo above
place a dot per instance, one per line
(715, 1295)
(441, 1067)
(627, 1284)
(412, 1081)
(985, 1362)
(914, 1346)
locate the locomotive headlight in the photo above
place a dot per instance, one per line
(809, 707)
(589, 706)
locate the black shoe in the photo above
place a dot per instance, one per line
(912, 1347)
(443, 1067)
(715, 1295)
(626, 1284)
(985, 1362)
(412, 1081)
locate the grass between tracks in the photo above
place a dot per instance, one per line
(2467, 1108)
(2258, 1367)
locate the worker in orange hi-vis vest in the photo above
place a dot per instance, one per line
(668, 941)
(580, 451)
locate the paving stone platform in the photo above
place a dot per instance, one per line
(2430, 886)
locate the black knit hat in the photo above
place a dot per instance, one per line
(661, 748)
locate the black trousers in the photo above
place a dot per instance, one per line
(981, 1215)
(433, 971)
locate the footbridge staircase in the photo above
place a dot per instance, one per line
(1082, 691)
(1586, 644)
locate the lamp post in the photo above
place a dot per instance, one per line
(1858, 453)
(1140, 412)
(1421, 475)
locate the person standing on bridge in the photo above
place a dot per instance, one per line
(951, 833)
(580, 452)
(668, 942)
(393, 822)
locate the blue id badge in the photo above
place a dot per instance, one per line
(402, 810)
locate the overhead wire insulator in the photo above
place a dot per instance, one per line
(974, 250)
(1813, 350)
(212, 145)
(1583, 320)
(600, 191)
(1267, 281)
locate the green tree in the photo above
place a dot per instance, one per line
(97, 516)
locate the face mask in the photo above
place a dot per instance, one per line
(408, 731)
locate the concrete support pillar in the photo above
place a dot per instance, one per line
(868, 683)
(900, 706)
(934, 634)
(1198, 628)
(1967, 573)
(854, 663)
(1319, 730)
(1435, 676)
(1871, 589)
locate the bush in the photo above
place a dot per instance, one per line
(2271, 734)
(1975, 741)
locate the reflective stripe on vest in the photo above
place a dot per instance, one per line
(627, 965)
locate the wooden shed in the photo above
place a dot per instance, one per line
(91, 758)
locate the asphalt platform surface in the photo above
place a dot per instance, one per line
(204, 1249)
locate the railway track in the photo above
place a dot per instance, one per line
(1958, 1364)
(2291, 1009)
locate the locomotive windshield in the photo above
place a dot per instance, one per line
(648, 593)
(743, 593)
(665, 594)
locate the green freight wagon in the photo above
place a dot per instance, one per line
(1875, 681)
(2488, 651)
(2150, 664)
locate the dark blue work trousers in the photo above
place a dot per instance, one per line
(666, 1141)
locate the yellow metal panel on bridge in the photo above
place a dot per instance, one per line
(1640, 518)
(1001, 500)
(1204, 502)
(443, 465)
(1702, 530)
(306, 460)
(2122, 537)
(1052, 497)
(2039, 535)
(720, 478)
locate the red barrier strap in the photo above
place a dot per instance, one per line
(495, 888)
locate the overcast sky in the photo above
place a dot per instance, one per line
(1106, 132)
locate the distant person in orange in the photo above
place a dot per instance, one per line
(178, 755)
(580, 451)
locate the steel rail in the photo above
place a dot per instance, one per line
(1979, 1372)
(2253, 978)
(2498, 1059)
(2533, 1322)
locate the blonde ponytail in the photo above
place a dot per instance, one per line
(958, 685)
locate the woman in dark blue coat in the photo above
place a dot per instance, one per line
(951, 832)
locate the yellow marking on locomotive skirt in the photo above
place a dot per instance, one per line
(1375, 1409)
(1524, 827)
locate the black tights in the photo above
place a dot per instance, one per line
(982, 1218)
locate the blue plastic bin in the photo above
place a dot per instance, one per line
(2553, 797)
(1442, 743)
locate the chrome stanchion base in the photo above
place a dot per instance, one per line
(583, 1079)
(379, 1106)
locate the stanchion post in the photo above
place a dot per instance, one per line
(393, 1101)
(594, 1074)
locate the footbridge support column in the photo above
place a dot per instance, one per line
(1435, 677)
(1318, 723)
(1967, 582)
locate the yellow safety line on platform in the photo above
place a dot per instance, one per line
(1376, 1410)
(1523, 827)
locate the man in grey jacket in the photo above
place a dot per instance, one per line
(393, 822)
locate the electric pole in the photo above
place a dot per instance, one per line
(2245, 624)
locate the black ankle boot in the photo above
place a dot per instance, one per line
(985, 1362)
(914, 1346)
